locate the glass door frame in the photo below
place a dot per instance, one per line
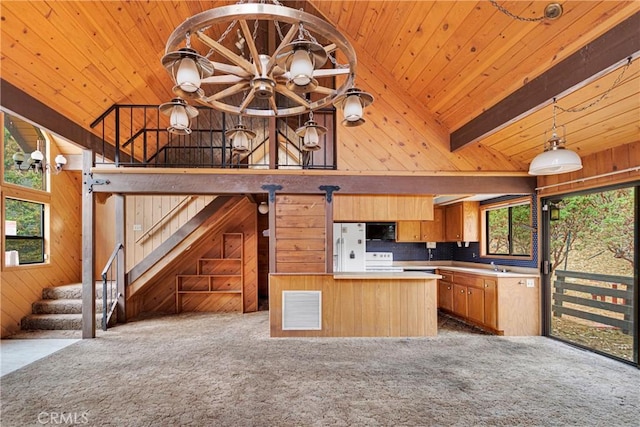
(545, 276)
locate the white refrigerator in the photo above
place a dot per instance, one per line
(349, 246)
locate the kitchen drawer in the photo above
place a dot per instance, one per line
(468, 280)
(447, 276)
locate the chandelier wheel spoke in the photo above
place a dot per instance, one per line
(227, 54)
(232, 90)
(225, 79)
(248, 99)
(285, 41)
(291, 95)
(253, 50)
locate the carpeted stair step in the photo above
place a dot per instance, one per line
(69, 291)
(55, 321)
(61, 306)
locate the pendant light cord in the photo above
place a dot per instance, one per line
(600, 98)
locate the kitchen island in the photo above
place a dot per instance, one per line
(367, 304)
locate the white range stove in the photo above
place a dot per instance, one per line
(380, 261)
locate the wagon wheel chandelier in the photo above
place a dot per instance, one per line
(279, 83)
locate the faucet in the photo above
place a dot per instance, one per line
(494, 266)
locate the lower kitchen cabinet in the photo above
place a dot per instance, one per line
(506, 306)
(490, 289)
(445, 295)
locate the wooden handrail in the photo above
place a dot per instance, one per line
(179, 205)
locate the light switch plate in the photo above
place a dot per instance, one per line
(431, 245)
(530, 283)
(137, 227)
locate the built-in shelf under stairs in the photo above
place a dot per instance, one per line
(60, 309)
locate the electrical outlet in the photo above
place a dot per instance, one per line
(530, 283)
(137, 227)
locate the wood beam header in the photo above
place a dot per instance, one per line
(168, 181)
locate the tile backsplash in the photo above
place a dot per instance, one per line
(412, 251)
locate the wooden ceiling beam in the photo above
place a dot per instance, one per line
(606, 53)
(17, 102)
(212, 181)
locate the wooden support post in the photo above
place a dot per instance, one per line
(273, 144)
(88, 248)
(121, 260)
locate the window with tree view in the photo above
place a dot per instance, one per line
(508, 230)
(24, 230)
(21, 141)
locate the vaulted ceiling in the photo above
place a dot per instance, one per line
(436, 69)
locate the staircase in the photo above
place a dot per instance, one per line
(61, 309)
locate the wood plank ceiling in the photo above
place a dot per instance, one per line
(449, 61)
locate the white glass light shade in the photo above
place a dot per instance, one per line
(179, 118)
(555, 161)
(37, 156)
(352, 109)
(240, 141)
(301, 67)
(60, 160)
(263, 208)
(188, 75)
(311, 137)
(18, 158)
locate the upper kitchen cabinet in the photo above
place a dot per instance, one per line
(433, 231)
(461, 222)
(382, 207)
(422, 231)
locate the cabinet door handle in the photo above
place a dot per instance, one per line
(462, 292)
(448, 288)
(469, 292)
(486, 286)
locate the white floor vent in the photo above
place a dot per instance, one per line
(301, 310)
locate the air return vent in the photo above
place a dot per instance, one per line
(301, 310)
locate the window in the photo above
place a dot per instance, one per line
(507, 229)
(24, 232)
(21, 140)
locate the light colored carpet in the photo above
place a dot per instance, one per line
(224, 370)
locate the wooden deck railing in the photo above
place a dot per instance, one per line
(600, 299)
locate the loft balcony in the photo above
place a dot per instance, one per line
(139, 137)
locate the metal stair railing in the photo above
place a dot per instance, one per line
(110, 294)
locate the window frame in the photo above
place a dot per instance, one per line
(484, 226)
(41, 238)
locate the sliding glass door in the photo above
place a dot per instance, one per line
(590, 253)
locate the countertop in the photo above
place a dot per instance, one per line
(390, 275)
(487, 271)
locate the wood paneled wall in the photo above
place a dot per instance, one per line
(300, 234)
(167, 213)
(382, 207)
(604, 162)
(360, 308)
(23, 285)
(237, 216)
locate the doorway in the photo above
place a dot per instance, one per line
(591, 270)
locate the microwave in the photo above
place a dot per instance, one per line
(384, 231)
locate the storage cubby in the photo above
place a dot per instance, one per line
(219, 282)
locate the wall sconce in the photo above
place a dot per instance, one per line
(263, 208)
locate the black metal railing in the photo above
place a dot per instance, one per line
(110, 276)
(139, 136)
(600, 298)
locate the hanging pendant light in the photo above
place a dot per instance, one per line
(310, 133)
(180, 114)
(556, 158)
(300, 58)
(187, 68)
(240, 138)
(352, 103)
